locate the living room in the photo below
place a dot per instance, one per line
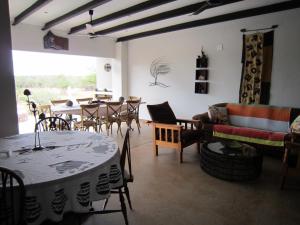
(166, 191)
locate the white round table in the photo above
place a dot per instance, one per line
(74, 169)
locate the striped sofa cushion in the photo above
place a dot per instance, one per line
(261, 117)
(251, 135)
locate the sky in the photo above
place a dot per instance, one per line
(39, 64)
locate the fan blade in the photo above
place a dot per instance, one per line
(89, 28)
(201, 9)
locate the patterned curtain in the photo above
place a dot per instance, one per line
(257, 68)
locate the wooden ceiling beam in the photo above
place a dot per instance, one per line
(75, 12)
(125, 12)
(30, 10)
(218, 19)
(158, 17)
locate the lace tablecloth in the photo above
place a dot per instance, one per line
(72, 170)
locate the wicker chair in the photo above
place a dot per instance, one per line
(170, 132)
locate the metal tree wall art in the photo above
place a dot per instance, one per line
(158, 67)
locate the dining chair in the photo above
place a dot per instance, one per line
(12, 198)
(52, 124)
(46, 109)
(113, 111)
(104, 98)
(59, 102)
(83, 100)
(67, 117)
(127, 174)
(89, 118)
(132, 113)
(133, 98)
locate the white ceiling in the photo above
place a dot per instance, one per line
(57, 8)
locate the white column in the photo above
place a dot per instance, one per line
(8, 112)
(120, 71)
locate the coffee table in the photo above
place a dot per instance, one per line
(231, 160)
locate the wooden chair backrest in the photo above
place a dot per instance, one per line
(113, 109)
(133, 106)
(104, 98)
(46, 109)
(83, 100)
(58, 102)
(12, 198)
(89, 112)
(134, 98)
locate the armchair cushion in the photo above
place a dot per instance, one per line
(162, 113)
(190, 136)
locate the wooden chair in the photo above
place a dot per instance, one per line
(133, 98)
(12, 198)
(113, 111)
(62, 102)
(290, 157)
(83, 100)
(46, 109)
(170, 132)
(132, 113)
(104, 98)
(89, 117)
(52, 124)
(59, 102)
(127, 175)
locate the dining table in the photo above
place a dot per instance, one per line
(73, 169)
(76, 110)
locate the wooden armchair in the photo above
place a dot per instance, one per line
(171, 132)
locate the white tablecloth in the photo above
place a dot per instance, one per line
(74, 169)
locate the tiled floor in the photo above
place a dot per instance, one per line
(166, 192)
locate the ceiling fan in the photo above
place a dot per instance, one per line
(89, 31)
(208, 4)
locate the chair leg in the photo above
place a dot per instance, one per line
(181, 153)
(123, 206)
(105, 204)
(138, 125)
(127, 195)
(155, 148)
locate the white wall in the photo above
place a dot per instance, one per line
(30, 38)
(104, 78)
(8, 112)
(181, 48)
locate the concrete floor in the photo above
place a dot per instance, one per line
(166, 192)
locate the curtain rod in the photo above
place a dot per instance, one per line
(266, 28)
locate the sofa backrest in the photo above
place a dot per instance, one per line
(262, 117)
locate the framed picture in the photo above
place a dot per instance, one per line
(201, 87)
(201, 74)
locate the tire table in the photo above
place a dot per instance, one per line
(231, 160)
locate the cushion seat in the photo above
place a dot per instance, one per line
(249, 135)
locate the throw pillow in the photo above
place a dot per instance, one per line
(162, 113)
(218, 114)
(295, 126)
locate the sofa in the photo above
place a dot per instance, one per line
(260, 125)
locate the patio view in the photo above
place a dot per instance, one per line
(50, 77)
(150, 112)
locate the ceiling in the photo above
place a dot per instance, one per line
(56, 8)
